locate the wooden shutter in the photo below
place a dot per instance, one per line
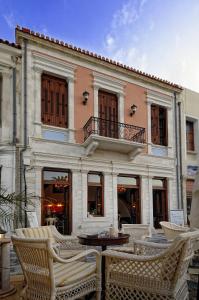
(108, 113)
(54, 98)
(190, 135)
(163, 140)
(155, 124)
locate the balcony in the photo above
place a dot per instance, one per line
(113, 136)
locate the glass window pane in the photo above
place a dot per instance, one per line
(95, 201)
(126, 180)
(53, 175)
(158, 182)
(94, 178)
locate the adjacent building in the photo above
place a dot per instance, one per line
(190, 144)
(93, 139)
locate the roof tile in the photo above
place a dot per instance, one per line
(86, 52)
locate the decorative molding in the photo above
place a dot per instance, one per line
(159, 98)
(42, 62)
(108, 83)
(90, 149)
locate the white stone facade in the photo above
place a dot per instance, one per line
(51, 147)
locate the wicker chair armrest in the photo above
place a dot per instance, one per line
(149, 248)
(69, 242)
(128, 256)
(76, 257)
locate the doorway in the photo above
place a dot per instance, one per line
(128, 190)
(56, 203)
(108, 114)
(160, 205)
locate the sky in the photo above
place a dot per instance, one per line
(160, 37)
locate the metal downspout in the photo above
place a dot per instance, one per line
(22, 166)
(177, 151)
(180, 155)
(14, 134)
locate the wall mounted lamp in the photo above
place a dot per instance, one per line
(133, 110)
(85, 97)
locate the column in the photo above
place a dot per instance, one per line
(108, 196)
(150, 197)
(170, 128)
(149, 126)
(77, 203)
(6, 107)
(121, 114)
(121, 107)
(115, 200)
(71, 112)
(37, 102)
(84, 194)
(96, 114)
(144, 200)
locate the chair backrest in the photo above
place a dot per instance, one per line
(172, 230)
(37, 263)
(137, 231)
(175, 260)
(36, 232)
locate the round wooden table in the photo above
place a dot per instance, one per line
(94, 240)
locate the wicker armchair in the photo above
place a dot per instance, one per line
(65, 245)
(49, 277)
(172, 230)
(137, 231)
(150, 273)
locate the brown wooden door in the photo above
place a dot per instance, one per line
(108, 114)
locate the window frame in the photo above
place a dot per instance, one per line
(101, 184)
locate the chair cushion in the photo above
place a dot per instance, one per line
(39, 232)
(68, 253)
(72, 272)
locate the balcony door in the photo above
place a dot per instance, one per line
(108, 114)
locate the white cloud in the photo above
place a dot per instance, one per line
(166, 47)
(110, 41)
(128, 14)
(10, 20)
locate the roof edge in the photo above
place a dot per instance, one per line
(96, 56)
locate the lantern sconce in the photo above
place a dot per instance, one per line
(133, 110)
(85, 97)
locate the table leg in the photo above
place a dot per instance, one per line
(103, 274)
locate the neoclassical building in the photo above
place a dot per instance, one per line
(95, 140)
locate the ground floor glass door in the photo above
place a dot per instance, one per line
(128, 190)
(160, 206)
(56, 203)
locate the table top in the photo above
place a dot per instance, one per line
(95, 240)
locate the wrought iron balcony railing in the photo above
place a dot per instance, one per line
(113, 129)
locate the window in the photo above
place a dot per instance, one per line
(54, 97)
(95, 194)
(190, 135)
(158, 125)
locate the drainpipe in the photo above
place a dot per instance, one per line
(177, 150)
(180, 155)
(14, 133)
(22, 166)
